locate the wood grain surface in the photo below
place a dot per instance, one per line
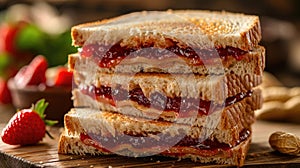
(45, 153)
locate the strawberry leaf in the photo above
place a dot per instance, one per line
(50, 122)
(40, 108)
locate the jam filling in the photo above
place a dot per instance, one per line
(110, 56)
(164, 140)
(182, 105)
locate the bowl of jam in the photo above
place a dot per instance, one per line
(59, 99)
(36, 81)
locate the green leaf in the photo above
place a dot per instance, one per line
(5, 60)
(30, 38)
(6, 65)
(40, 107)
(59, 47)
(50, 122)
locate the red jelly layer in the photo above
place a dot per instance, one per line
(87, 140)
(112, 142)
(158, 101)
(110, 56)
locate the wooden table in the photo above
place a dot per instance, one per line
(6, 112)
(45, 154)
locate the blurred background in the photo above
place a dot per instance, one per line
(280, 21)
(31, 27)
(34, 27)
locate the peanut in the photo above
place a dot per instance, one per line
(270, 80)
(286, 143)
(280, 103)
(282, 94)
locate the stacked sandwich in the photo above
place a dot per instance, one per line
(173, 83)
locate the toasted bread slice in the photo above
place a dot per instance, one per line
(132, 41)
(215, 89)
(224, 125)
(251, 62)
(131, 108)
(240, 76)
(71, 144)
(204, 29)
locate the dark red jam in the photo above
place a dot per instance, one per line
(207, 147)
(110, 56)
(158, 101)
(86, 139)
(211, 144)
(111, 142)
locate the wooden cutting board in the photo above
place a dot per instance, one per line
(45, 154)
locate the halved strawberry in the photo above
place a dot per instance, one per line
(63, 77)
(27, 126)
(32, 74)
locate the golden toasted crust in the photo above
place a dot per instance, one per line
(225, 125)
(239, 76)
(73, 145)
(200, 29)
(234, 156)
(251, 62)
(217, 28)
(131, 108)
(216, 88)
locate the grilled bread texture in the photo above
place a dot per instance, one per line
(204, 29)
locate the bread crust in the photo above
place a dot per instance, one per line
(187, 28)
(73, 145)
(214, 28)
(234, 156)
(128, 107)
(254, 61)
(225, 125)
(240, 76)
(215, 88)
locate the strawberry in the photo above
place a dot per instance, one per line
(63, 77)
(27, 126)
(5, 96)
(7, 35)
(32, 74)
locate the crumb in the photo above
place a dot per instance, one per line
(254, 155)
(158, 161)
